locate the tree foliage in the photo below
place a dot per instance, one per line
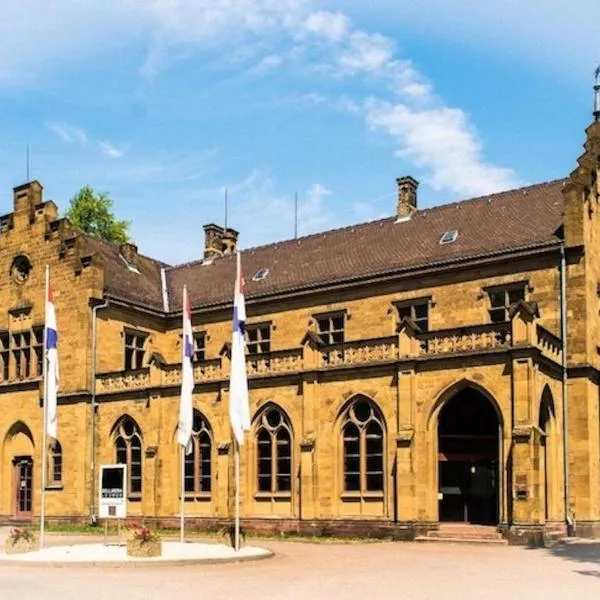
(91, 212)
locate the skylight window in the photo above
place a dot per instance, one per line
(131, 266)
(260, 274)
(449, 237)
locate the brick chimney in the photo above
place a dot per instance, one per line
(407, 197)
(229, 241)
(213, 240)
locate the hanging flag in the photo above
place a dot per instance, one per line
(239, 408)
(52, 379)
(186, 409)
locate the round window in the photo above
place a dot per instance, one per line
(20, 269)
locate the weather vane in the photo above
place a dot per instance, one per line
(597, 94)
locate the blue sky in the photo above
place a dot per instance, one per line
(164, 103)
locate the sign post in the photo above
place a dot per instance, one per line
(113, 493)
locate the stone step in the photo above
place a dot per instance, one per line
(462, 540)
(465, 534)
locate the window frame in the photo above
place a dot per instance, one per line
(121, 434)
(329, 334)
(412, 304)
(505, 290)
(199, 348)
(349, 418)
(200, 430)
(275, 476)
(262, 344)
(55, 463)
(5, 353)
(135, 349)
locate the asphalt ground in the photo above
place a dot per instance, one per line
(332, 571)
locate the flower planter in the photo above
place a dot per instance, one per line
(144, 549)
(20, 546)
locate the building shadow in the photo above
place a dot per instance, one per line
(583, 551)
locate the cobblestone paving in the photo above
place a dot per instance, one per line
(334, 572)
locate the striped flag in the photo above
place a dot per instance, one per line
(52, 379)
(239, 408)
(186, 409)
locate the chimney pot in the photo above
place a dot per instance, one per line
(213, 240)
(229, 241)
(407, 196)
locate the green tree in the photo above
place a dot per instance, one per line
(91, 213)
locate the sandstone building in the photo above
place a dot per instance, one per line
(440, 365)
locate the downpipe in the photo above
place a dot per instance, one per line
(569, 520)
(93, 517)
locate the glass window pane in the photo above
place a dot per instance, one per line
(337, 322)
(375, 482)
(421, 311)
(497, 299)
(284, 483)
(498, 315)
(337, 337)
(516, 295)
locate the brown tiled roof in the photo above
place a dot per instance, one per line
(120, 281)
(503, 221)
(500, 222)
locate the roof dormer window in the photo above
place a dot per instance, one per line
(449, 236)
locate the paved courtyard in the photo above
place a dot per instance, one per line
(334, 572)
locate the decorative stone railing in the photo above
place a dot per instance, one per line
(550, 345)
(475, 338)
(360, 351)
(206, 370)
(123, 381)
(280, 361)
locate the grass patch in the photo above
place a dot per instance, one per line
(113, 530)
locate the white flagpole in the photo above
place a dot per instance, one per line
(45, 419)
(182, 509)
(237, 497)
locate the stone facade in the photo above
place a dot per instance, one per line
(357, 426)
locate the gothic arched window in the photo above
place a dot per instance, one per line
(128, 446)
(363, 448)
(55, 464)
(198, 464)
(273, 452)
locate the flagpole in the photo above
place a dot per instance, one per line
(237, 496)
(45, 420)
(182, 509)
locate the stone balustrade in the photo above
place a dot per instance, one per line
(550, 345)
(360, 352)
(282, 361)
(476, 338)
(122, 381)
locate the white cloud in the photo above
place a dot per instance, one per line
(110, 150)
(366, 52)
(441, 141)
(438, 139)
(330, 25)
(68, 133)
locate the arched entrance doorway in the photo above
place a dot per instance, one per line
(17, 456)
(468, 459)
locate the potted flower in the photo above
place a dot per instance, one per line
(20, 540)
(143, 542)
